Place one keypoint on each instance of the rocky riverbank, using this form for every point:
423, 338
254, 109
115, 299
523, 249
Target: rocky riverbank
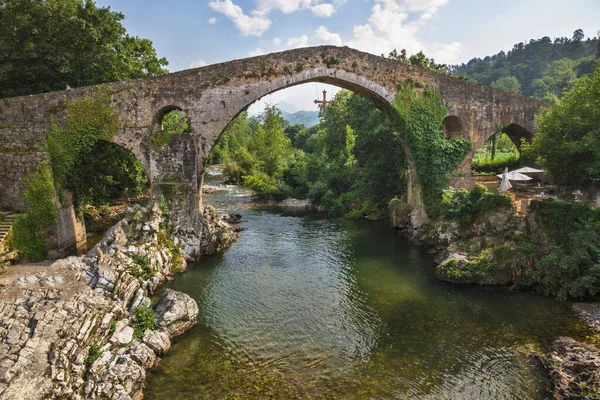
496, 249
84, 327
574, 366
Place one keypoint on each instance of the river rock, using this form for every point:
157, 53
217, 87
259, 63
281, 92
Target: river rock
574, 369
157, 341
176, 312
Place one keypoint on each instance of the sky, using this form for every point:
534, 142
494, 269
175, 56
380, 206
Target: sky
194, 33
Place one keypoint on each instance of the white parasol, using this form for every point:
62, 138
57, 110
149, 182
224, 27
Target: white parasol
505, 184
515, 176
528, 170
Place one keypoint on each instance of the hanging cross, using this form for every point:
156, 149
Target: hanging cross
324, 102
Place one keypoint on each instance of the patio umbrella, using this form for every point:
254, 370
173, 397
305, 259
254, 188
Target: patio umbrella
505, 184
528, 170
515, 176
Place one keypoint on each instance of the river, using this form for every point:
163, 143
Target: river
303, 306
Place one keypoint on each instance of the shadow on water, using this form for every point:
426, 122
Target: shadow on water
308, 307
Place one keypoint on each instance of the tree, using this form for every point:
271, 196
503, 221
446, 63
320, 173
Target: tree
560, 76
567, 143
578, 35
508, 83
45, 44
270, 144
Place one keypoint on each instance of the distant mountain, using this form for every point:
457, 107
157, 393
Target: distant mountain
306, 118
287, 107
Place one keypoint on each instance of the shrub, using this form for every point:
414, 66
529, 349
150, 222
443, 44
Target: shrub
143, 318
141, 267
463, 205
497, 165
25, 239
94, 353
570, 265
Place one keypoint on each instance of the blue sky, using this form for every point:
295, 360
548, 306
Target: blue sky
195, 33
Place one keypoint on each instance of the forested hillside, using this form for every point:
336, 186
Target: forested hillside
542, 68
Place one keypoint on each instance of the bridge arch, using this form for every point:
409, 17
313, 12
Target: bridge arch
517, 133
249, 93
454, 127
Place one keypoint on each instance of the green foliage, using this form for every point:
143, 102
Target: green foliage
46, 44
567, 143
94, 353
160, 139
28, 231
27, 240
495, 155
418, 117
508, 83
173, 123
570, 265
176, 122
141, 267
419, 59
542, 67
143, 318
39, 195
89, 120
464, 205
559, 76
113, 327
269, 143
354, 154
107, 172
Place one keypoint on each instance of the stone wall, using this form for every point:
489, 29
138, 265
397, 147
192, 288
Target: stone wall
51, 317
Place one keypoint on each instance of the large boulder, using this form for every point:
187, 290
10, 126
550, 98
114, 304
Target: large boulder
574, 369
176, 312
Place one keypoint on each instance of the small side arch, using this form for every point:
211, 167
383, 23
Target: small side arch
158, 117
517, 133
454, 127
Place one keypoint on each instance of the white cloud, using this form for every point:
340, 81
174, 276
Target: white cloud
387, 28
257, 52
447, 53
323, 10
429, 6
323, 36
285, 6
391, 26
212, 21
247, 25
276, 41
294, 43
199, 63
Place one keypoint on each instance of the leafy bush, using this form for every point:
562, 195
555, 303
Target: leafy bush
141, 267
463, 205
497, 165
93, 354
26, 240
39, 195
143, 318
570, 265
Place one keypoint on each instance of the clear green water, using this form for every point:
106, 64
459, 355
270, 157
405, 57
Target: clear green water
308, 307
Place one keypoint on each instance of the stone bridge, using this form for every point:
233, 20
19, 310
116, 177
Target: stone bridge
212, 96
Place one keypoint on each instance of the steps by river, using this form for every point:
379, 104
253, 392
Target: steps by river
6, 220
